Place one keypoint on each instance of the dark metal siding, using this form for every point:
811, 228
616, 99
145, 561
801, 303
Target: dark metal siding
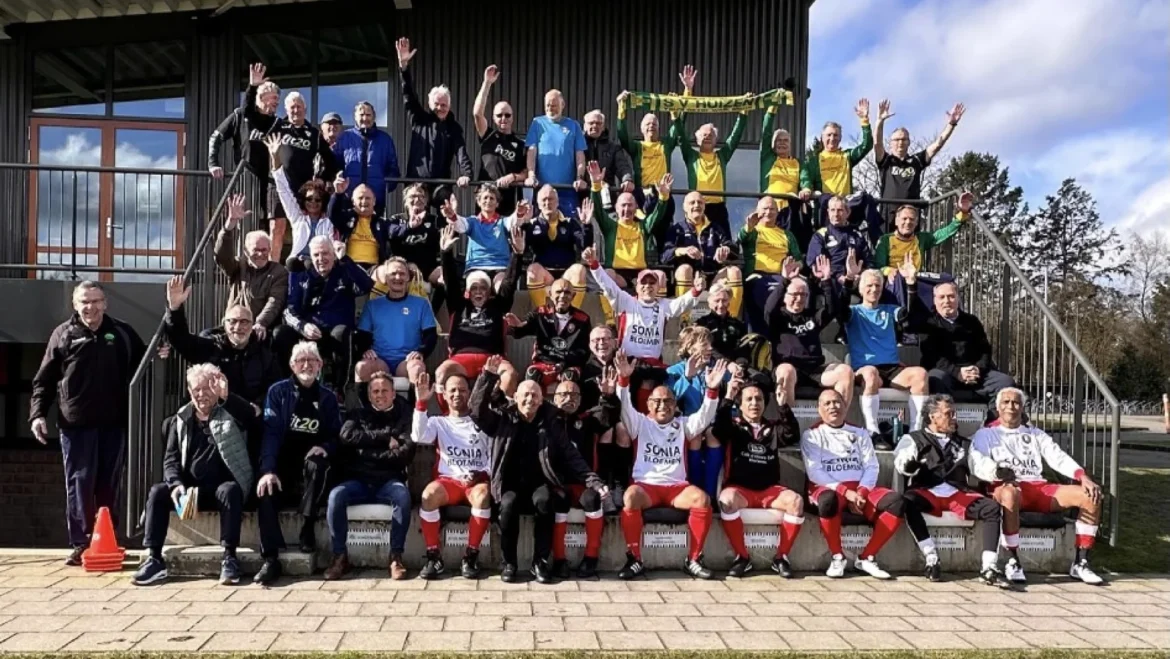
15, 104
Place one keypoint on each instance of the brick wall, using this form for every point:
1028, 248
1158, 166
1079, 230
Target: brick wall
32, 498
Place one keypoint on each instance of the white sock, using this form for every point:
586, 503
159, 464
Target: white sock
990, 559
1011, 541
914, 409
927, 547
869, 412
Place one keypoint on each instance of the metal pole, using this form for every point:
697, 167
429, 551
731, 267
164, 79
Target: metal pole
73, 247
1005, 315
1077, 448
1114, 475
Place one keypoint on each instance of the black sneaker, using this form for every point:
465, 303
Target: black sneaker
560, 569
508, 573
542, 572
740, 567
153, 570
229, 571
74, 559
308, 541
269, 572
993, 577
470, 566
433, 566
933, 572
697, 570
782, 567
588, 568
633, 569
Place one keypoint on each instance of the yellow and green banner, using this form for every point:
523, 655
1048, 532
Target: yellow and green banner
655, 102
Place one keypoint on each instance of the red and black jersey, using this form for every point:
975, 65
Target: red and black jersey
567, 346
753, 451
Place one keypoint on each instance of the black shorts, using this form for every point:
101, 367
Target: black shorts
887, 372
810, 376
272, 208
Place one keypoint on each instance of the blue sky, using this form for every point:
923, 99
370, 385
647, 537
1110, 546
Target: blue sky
1055, 88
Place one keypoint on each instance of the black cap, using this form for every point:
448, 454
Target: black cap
331, 117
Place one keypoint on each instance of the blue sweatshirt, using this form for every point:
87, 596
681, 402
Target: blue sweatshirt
564, 250
836, 243
279, 406
326, 301
367, 155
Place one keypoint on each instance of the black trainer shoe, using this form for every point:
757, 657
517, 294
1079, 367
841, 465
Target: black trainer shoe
782, 567
993, 577
153, 570
308, 540
933, 572
508, 573
269, 572
740, 567
560, 569
74, 559
542, 572
697, 570
588, 568
470, 566
229, 571
633, 569
433, 566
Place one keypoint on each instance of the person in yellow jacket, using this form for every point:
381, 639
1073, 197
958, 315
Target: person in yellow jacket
765, 244
830, 171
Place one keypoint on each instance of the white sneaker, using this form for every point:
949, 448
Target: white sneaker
837, 567
870, 567
1014, 571
1081, 570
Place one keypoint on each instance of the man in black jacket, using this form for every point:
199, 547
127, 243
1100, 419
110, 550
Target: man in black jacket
955, 349
206, 458
87, 367
373, 455
532, 460
246, 127
612, 158
562, 334
435, 137
935, 459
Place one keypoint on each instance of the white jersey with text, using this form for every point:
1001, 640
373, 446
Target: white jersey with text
464, 450
839, 455
1025, 449
641, 327
661, 456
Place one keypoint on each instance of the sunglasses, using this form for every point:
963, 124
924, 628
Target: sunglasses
503, 115
312, 198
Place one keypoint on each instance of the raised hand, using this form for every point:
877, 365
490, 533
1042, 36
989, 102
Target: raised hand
862, 108
450, 208
623, 366
492, 365
585, 210
512, 320
340, 183
715, 374
908, 270
596, 172
491, 74
448, 238
422, 386
955, 114
823, 268
523, 211
790, 268
752, 221
852, 265
607, 381
405, 52
665, 185
257, 74
237, 211
694, 365
517, 238
273, 144
623, 98
688, 77
177, 292
700, 283
883, 110
733, 386
966, 201
588, 256
219, 385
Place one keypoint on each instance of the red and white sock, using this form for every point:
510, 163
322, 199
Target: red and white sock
1086, 535
699, 523
429, 520
480, 520
632, 530
789, 528
733, 528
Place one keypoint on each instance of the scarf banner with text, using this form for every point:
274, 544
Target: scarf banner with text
708, 104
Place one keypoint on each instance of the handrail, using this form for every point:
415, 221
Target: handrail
89, 169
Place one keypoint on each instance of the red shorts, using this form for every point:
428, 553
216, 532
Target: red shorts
957, 503
574, 492
1036, 496
869, 512
662, 495
456, 489
759, 498
472, 362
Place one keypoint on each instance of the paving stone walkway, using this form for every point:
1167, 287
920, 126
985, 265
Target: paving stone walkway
47, 607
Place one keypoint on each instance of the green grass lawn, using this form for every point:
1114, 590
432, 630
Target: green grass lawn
1143, 543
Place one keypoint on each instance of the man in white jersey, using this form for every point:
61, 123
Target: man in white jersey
641, 321
1011, 456
462, 470
842, 469
660, 475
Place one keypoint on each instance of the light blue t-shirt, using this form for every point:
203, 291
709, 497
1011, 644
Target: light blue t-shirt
397, 325
557, 144
487, 244
871, 334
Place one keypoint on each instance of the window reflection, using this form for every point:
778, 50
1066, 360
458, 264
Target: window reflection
144, 204
71, 81
149, 79
742, 175
55, 201
343, 98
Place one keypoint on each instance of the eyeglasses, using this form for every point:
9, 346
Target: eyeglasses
315, 198
567, 394
503, 115
796, 294
659, 402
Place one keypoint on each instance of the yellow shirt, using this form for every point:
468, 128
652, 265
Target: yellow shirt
784, 177
701, 225
629, 246
361, 246
898, 250
836, 173
654, 165
709, 176
552, 228
771, 248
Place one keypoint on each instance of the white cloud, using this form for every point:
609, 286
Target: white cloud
828, 16
1149, 210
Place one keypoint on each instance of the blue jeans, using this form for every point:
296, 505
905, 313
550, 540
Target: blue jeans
352, 493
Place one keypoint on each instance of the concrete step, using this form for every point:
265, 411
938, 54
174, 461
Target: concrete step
204, 561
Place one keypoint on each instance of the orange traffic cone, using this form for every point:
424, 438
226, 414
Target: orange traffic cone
103, 554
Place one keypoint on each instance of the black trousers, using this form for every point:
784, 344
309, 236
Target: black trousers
227, 498
307, 493
985, 509
95, 468
542, 503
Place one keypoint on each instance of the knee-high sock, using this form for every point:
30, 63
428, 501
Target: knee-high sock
623, 462
480, 519
429, 521
560, 527
733, 528
831, 529
1086, 535
914, 409
884, 528
632, 530
681, 286
696, 473
607, 310
789, 529
869, 411
699, 523
578, 295
538, 291
735, 286
712, 466
594, 525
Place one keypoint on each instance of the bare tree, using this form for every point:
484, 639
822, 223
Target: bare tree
867, 178
1150, 265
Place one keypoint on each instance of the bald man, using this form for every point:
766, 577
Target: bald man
533, 461
502, 155
556, 150
366, 232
